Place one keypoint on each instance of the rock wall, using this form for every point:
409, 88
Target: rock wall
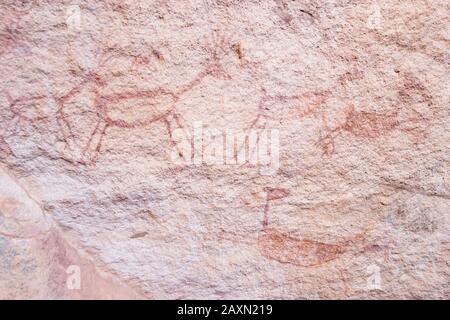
224, 149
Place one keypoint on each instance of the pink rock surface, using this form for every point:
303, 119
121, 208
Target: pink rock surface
132, 149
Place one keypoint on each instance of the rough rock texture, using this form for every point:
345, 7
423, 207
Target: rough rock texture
98, 96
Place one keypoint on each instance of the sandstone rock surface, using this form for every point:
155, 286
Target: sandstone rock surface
114, 123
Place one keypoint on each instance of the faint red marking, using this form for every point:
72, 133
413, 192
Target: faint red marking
284, 248
272, 194
351, 75
276, 193
26, 109
10, 36
5, 147
158, 55
140, 60
303, 105
279, 246
371, 125
66, 130
368, 125
104, 104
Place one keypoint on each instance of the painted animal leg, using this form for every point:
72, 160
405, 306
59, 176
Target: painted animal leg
71, 150
173, 122
91, 150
